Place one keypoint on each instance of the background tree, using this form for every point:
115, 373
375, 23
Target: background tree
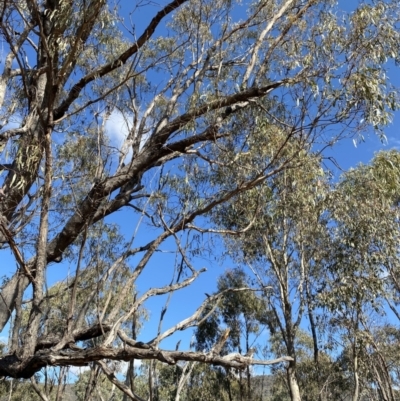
363, 252
281, 245
243, 313
327, 249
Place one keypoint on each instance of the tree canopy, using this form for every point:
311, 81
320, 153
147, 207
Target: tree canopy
167, 115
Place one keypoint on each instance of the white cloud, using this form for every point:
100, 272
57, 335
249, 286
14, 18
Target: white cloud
117, 127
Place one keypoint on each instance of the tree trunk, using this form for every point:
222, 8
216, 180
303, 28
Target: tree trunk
292, 381
315, 340
355, 374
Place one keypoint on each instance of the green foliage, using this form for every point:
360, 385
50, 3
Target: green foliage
93, 385
206, 117
17, 390
242, 312
322, 247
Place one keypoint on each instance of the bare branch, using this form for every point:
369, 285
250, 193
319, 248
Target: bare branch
127, 353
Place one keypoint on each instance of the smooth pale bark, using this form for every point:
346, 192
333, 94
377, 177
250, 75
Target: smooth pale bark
356, 391
60, 88
288, 326
291, 368
293, 384
9, 294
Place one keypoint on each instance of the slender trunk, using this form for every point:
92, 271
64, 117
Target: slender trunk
61, 384
152, 381
130, 373
312, 324
11, 389
241, 385
381, 386
186, 373
291, 369
355, 375
387, 377
248, 383
292, 381
383, 377
42, 393
248, 392
229, 387
290, 333
91, 383
315, 340
129, 379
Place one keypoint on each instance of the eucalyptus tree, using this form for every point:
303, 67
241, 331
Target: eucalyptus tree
331, 250
243, 314
362, 261
190, 82
281, 244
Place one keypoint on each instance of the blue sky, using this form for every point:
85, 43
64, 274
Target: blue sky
160, 270
348, 153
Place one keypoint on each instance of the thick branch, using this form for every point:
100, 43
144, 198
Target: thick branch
230, 100
92, 207
155, 150
77, 335
10, 365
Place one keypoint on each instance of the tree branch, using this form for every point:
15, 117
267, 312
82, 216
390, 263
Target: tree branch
122, 59
10, 365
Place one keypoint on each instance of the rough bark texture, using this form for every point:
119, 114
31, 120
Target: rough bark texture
10, 365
